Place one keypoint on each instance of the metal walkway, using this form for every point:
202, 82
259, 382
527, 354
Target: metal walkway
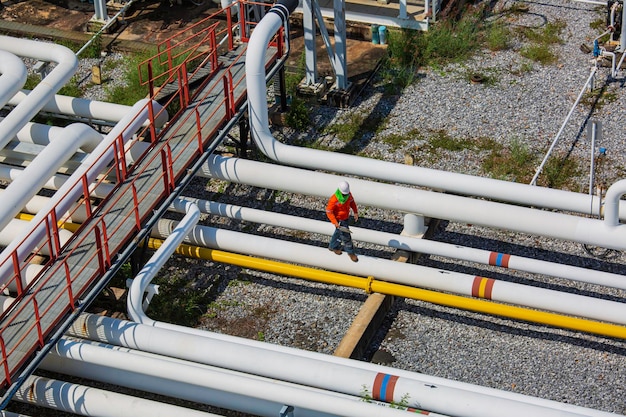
42, 311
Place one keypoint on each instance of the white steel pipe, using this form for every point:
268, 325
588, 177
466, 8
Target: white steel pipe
41, 134
411, 244
13, 76
353, 165
255, 387
35, 175
17, 227
134, 300
10, 173
71, 190
66, 65
407, 274
317, 370
88, 401
427, 203
175, 384
612, 203
75, 106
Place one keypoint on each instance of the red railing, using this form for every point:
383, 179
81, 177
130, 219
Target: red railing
47, 234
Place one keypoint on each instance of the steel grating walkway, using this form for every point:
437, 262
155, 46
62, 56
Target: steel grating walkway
47, 306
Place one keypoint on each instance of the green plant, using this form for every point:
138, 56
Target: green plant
440, 139
178, 301
559, 171
298, 114
497, 36
539, 53
513, 164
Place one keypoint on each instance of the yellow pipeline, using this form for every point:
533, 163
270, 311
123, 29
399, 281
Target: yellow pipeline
371, 285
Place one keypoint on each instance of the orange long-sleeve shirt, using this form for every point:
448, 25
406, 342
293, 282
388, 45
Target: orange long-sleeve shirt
336, 211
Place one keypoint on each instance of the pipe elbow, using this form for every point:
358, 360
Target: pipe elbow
611, 205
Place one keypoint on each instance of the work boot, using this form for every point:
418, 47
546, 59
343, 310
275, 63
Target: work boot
353, 257
337, 251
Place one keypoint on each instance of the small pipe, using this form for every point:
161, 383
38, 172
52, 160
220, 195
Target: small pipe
409, 274
611, 205
371, 285
158, 259
558, 135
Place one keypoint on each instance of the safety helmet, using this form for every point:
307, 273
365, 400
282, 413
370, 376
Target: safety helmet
344, 187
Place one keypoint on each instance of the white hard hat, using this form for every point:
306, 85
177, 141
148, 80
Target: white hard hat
344, 187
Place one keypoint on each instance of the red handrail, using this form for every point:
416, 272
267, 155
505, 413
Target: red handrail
95, 229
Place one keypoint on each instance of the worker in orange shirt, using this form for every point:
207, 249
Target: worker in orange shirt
338, 212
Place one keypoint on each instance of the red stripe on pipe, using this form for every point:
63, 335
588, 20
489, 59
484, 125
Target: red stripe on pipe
476, 286
493, 258
489, 288
378, 382
505, 260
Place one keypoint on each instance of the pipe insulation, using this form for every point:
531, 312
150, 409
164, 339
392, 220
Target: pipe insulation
66, 65
75, 106
35, 175
158, 259
426, 203
387, 171
408, 243
72, 189
88, 401
13, 75
42, 134
317, 370
225, 380
405, 274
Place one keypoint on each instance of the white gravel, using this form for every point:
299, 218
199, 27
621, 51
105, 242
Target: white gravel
527, 107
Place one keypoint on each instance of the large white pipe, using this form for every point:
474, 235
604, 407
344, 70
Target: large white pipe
88, 401
407, 274
255, 387
323, 371
75, 106
13, 76
408, 243
35, 175
71, 190
427, 203
175, 384
66, 65
353, 165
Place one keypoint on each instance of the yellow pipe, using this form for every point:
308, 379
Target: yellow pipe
371, 285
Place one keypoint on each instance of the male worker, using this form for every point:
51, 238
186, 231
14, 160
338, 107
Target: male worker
338, 212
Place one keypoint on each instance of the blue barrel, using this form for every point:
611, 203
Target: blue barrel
375, 38
382, 34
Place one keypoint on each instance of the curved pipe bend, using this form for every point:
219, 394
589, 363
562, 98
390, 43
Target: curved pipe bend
461, 184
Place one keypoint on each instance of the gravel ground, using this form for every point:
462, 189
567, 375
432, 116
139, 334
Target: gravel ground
525, 103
